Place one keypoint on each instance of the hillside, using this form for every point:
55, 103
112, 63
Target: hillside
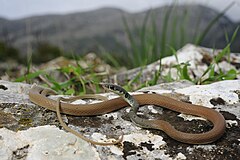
86, 31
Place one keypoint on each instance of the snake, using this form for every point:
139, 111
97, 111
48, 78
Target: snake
39, 96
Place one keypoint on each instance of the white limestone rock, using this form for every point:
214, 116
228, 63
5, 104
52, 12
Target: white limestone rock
44, 142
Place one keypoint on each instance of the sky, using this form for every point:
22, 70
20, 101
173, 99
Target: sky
15, 9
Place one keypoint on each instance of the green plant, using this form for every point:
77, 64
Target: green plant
203, 34
182, 69
214, 72
143, 47
71, 79
148, 45
211, 70
134, 81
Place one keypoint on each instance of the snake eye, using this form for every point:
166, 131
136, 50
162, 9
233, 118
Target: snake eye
122, 92
126, 95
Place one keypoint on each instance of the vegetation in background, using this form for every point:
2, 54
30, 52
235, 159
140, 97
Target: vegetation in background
71, 79
45, 52
146, 46
8, 52
212, 74
201, 36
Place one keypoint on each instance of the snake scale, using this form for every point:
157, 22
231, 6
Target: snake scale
39, 96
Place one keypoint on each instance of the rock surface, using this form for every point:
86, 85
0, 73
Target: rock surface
32, 132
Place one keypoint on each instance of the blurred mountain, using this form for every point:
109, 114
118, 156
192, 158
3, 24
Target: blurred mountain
86, 31
2, 20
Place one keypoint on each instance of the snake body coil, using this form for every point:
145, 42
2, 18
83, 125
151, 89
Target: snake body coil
38, 95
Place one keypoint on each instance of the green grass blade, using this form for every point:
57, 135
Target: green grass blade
143, 50
234, 35
29, 76
165, 29
226, 50
133, 45
185, 74
174, 37
222, 53
210, 25
182, 28
155, 49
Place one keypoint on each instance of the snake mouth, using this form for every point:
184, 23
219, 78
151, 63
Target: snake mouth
114, 88
41, 91
108, 87
104, 85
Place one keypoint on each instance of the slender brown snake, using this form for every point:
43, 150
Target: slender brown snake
38, 95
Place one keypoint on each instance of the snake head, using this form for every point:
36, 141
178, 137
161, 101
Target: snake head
113, 88
108, 86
